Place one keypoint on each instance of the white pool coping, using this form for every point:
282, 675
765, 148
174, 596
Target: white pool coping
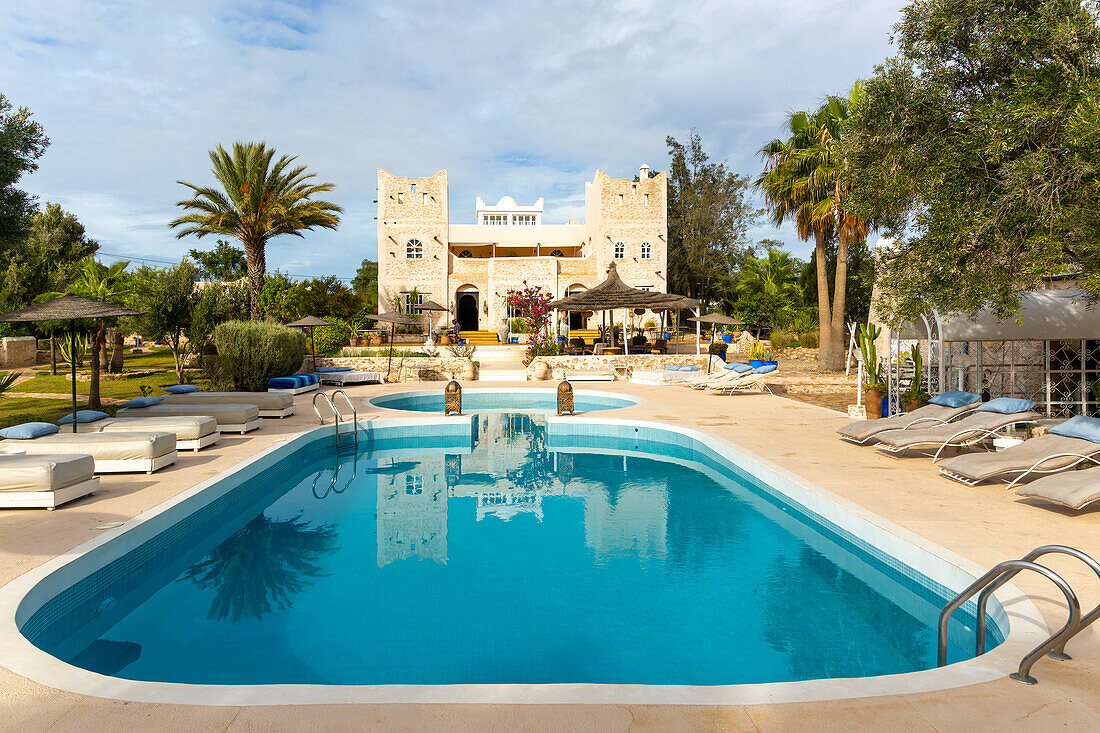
634, 400
1026, 627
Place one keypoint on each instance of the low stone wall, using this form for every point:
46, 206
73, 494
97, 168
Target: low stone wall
18, 351
635, 362
405, 369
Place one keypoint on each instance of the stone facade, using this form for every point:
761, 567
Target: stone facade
18, 351
635, 362
470, 267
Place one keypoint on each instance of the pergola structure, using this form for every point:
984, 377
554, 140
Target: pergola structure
1049, 352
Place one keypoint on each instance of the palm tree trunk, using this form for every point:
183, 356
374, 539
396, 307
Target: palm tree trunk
53, 356
257, 266
836, 328
117, 349
824, 317
93, 381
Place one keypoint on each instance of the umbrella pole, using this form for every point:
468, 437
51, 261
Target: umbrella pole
72, 364
313, 347
389, 362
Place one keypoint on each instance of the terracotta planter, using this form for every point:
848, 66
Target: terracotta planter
872, 400
445, 339
911, 405
542, 370
469, 373
377, 340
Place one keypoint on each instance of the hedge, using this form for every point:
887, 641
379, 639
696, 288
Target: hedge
251, 353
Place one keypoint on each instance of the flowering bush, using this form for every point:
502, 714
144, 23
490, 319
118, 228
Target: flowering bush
532, 304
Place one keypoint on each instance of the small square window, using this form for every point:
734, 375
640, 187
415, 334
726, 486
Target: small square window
414, 250
620, 250
646, 250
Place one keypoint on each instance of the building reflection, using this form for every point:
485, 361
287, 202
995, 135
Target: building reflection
412, 512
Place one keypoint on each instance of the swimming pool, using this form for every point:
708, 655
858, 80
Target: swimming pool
501, 549
490, 400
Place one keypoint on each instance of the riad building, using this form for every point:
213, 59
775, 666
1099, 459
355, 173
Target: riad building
470, 267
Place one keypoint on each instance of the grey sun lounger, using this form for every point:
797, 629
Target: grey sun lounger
230, 418
270, 404
1071, 489
1044, 454
192, 432
113, 452
864, 431
973, 428
45, 481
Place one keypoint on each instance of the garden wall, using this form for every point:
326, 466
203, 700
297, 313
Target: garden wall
560, 364
405, 369
18, 351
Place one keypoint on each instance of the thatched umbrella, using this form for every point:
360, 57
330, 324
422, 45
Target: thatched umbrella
393, 319
430, 306
613, 293
310, 322
71, 308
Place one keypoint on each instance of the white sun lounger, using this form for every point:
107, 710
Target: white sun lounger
720, 376
352, 377
230, 418
45, 481
113, 452
192, 433
270, 404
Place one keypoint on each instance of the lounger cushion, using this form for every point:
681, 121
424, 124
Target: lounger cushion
964, 429
766, 369
955, 398
83, 416
184, 427
1073, 489
181, 388
47, 472
672, 367
329, 370
263, 400
690, 368
225, 414
1019, 458
864, 429
29, 430
146, 401
1007, 406
1082, 426
287, 383
739, 367
101, 446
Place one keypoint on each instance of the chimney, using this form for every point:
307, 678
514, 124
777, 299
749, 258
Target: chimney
643, 172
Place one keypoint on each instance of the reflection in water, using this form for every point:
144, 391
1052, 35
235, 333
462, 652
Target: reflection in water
108, 657
265, 562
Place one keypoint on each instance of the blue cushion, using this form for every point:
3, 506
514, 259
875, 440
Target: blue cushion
739, 367
1086, 428
29, 430
181, 389
143, 401
83, 416
672, 367
329, 370
766, 368
311, 378
1007, 406
690, 368
955, 398
284, 383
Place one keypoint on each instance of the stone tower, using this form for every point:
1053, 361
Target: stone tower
412, 237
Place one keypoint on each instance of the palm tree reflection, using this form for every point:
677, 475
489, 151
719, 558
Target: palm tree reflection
262, 565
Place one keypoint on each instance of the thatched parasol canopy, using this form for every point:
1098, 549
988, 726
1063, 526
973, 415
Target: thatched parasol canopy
309, 322
430, 305
394, 319
718, 318
613, 293
69, 308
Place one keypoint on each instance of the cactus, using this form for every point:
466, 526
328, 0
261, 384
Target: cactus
867, 334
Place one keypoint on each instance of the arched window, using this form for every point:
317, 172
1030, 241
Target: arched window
645, 250
414, 250
620, 250
465, 253
556, 253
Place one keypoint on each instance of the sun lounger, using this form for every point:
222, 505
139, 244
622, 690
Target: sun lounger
731, 372
589, 375
1072, 489
671, 374
270, 404
748, 382
1044, 454
231, 418
346, 375
113, 452
864, 431
984, 422
192, 433
45, 481
294, 384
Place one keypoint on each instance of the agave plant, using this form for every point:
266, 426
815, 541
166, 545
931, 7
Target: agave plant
7, 381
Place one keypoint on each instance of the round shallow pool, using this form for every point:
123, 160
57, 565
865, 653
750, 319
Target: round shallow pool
490, 400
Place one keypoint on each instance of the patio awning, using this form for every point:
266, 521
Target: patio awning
1056, 315
613, 293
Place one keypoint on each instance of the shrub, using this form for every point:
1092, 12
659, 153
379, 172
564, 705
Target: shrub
576, 342
328, 340
781, 339
718, 349
518, 325
638, 340
250, 354
809, 339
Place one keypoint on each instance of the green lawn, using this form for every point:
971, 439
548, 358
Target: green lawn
117, 388
158, 358
15, 410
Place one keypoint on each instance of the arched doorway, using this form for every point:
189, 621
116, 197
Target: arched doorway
466, 311
576, 320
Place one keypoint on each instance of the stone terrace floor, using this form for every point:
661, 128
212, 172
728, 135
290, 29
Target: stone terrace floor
983, 524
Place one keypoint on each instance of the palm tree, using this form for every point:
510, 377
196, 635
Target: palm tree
102, 282
772, 275
806, 180
259, 200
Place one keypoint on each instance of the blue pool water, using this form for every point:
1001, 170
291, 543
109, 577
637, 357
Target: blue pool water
525, 400
509, 555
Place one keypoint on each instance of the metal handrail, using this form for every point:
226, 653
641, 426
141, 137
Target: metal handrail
354, 413
1056, 639
335, 413
1058, 652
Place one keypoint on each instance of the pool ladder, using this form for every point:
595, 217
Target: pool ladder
328, 400
1055, 645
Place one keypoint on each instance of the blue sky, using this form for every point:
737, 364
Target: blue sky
519, 98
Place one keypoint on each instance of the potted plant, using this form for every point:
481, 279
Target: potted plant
915, 397
718, 349
873, 382
757, 354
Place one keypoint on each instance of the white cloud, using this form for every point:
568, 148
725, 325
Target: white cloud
520, 98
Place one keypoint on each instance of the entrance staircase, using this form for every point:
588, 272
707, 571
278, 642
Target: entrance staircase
479, 338
590, 335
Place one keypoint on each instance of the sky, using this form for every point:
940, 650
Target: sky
520, 98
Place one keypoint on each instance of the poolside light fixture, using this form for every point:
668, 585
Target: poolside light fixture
69, 308
452, 398
565, 398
